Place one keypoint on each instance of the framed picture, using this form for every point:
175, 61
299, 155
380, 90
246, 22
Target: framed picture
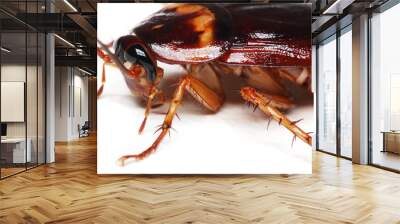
225, 88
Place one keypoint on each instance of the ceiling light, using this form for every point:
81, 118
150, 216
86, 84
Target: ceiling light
64, 40
79, 51
333, 6
84, 71
70, 5
5, 49
337, 7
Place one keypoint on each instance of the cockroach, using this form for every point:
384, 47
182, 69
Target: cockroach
268, 45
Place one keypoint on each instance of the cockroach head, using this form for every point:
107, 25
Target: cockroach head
131, 52
137, 59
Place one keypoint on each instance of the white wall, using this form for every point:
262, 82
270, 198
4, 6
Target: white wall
12, 73
62, 82
71, 94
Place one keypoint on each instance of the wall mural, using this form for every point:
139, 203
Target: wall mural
204, 88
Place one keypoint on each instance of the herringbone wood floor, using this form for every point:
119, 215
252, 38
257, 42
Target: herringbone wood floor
70, 191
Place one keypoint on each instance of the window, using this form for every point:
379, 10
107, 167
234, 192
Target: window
22, 78
327, 95
345, 92
385, 89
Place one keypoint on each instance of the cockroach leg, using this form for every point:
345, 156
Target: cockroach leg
199, 91
153, 93
106, 60
207, 74
270, 105
298, 76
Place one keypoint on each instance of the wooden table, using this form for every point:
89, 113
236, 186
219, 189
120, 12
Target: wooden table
391, 141
18, 149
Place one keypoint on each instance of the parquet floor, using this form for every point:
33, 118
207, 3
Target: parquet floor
70, 191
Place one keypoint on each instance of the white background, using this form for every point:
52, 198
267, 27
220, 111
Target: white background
233, 141
14, 102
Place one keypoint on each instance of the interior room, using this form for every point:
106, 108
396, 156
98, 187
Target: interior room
385, 76
48, 152
22, 102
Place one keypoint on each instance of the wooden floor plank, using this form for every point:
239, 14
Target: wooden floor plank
70, 191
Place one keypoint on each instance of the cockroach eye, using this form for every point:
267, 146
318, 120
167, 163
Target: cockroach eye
137, 55
129, 57
128, 64
140, 52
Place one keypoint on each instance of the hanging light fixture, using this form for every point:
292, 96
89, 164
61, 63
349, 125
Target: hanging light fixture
70, 5
5, 49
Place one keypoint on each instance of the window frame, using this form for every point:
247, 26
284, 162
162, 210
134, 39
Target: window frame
336, 35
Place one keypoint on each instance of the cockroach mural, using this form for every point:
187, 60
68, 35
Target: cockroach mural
267, 45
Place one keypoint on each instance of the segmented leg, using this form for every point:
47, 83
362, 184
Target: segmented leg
106, 60
207, 75
204, 73
269, 105
297, 75
155, 98
199, 91
149, 104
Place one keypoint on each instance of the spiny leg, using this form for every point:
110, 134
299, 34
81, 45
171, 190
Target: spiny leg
152, 100
300, 76
106, 60
269, 104
199, 91
207, 75
149, 104
203, 73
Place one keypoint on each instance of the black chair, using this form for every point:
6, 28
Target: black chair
84, 130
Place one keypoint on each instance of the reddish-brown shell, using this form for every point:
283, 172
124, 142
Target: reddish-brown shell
187, 33
243, 34
270, 35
